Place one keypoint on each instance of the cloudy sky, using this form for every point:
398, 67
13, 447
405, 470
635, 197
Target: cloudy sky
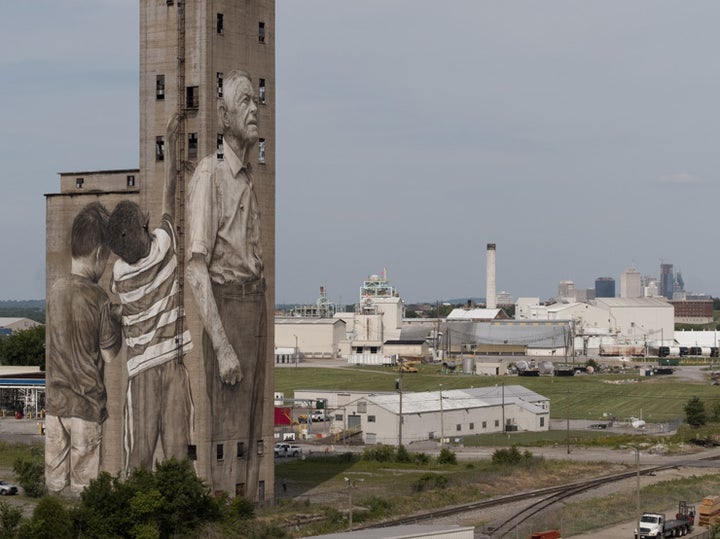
579, 136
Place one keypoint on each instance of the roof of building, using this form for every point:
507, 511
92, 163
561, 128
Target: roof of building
6, 322
455, 399
633, 302
302, 320
473, 314
696, 338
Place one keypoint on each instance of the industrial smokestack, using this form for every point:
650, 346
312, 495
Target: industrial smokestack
490, 300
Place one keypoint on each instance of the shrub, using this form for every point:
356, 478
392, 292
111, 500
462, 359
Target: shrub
446, 457
510, 456
30, 472
403, 455
429, 480
50, 519
421, 458
9, 519
379, 453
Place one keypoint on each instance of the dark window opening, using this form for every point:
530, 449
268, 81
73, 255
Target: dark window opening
260, 447
219, 152
240, 489
192, 100
261, 151
192, 452
159, 148
160, 87
240, 450
458, 427
261, 32
261, 491
169, 2
261, 91
220, 23
192, 146
472, 426
220, 451
219, 79
131, 181
79, 182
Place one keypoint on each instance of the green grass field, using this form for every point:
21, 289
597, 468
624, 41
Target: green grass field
591, 397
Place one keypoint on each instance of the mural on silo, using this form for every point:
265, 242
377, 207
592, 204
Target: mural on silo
225, 274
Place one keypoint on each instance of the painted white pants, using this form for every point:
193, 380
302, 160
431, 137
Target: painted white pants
72, 453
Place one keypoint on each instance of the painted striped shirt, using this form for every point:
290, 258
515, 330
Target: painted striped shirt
151, 308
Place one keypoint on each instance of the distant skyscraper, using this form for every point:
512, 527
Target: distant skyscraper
604, 287
666, 280
630, 284
566, 289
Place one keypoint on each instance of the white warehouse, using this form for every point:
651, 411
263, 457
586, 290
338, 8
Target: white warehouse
435, 414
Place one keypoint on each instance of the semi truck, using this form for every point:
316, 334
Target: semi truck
655, 525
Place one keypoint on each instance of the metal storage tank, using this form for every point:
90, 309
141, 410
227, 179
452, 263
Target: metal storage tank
469, 365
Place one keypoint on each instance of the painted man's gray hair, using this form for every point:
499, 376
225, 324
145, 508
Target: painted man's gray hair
231, 84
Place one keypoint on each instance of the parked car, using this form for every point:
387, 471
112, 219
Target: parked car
318, 416
7, 489
287, 450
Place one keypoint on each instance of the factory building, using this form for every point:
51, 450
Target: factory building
433, 415
309, 337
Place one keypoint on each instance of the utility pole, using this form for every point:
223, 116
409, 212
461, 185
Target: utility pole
400, 418
442, 420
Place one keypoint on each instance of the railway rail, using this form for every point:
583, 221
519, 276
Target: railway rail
548, 496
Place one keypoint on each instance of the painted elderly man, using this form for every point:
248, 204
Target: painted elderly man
225, 274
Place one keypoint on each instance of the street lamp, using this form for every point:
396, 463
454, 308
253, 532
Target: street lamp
351, 484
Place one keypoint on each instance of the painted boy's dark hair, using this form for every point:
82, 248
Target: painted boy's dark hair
126, 224
89, 230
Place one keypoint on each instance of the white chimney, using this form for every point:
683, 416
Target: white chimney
490, 300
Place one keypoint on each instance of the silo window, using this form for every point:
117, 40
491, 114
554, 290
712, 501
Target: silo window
219, 151
79, 182
131, 181
160, 87
261, 151
192, 97
159, 148
220, 23
261, 32
192, 146
261, 91
219, 79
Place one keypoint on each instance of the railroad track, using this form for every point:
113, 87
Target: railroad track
548, 496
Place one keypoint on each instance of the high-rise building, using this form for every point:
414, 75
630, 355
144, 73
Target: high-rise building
566, 289
604, 287
630, 284
666, 280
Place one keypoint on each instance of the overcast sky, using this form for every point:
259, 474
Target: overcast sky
579, 136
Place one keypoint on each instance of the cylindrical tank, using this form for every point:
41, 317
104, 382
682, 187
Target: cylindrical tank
469, 365
546, 367
521, 365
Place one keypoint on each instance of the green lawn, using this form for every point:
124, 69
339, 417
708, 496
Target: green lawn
657, 398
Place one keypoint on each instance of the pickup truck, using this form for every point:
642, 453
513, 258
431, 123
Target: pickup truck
655, 525
287, 450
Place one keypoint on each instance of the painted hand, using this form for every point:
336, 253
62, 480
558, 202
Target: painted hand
229, 365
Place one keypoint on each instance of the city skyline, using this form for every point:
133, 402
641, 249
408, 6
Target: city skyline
579, 138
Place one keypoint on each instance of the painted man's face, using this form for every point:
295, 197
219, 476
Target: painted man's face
243, 113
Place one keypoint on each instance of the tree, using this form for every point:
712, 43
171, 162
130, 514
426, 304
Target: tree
30, 472
26, 347
50, 520
695, 412
9, 520
169, 501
